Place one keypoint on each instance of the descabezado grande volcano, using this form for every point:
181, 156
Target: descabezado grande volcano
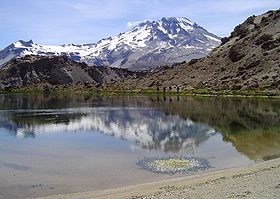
147, 45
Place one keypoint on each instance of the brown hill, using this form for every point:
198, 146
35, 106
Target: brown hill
44, 71
249, 59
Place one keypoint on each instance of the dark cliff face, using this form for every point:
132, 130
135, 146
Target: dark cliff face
53, 71
248, 59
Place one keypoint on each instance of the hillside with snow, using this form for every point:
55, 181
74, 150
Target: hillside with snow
145, 46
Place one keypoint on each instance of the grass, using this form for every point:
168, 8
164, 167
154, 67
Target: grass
145, 92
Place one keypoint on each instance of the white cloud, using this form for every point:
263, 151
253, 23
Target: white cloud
132, 24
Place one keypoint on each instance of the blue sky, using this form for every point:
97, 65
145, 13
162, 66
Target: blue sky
87, 21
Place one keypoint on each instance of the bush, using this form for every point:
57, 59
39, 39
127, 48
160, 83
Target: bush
193, 61
270, 45
264, 38
235, 53
225, 40
240, 31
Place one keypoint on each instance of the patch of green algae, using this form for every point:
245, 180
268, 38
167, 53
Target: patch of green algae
173, 163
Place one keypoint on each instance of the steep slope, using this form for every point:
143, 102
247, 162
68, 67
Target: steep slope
247, 60
144, 46
58, 70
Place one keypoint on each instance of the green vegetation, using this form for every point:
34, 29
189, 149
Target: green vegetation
173, 163
146, 92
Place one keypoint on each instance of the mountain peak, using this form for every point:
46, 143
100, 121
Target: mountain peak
164, 20
21, 43
177, 20
166, 25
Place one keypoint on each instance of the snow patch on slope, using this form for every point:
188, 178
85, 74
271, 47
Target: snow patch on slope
212, 38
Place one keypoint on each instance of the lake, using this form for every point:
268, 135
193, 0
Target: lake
51, 144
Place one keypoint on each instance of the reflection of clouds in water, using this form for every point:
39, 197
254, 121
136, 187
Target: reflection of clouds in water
148, 128
15, 166
19, 131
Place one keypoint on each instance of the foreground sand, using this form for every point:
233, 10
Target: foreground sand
261, 180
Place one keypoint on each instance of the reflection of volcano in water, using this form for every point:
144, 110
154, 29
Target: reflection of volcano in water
149, 128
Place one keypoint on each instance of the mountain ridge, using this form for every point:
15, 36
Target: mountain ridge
146, 45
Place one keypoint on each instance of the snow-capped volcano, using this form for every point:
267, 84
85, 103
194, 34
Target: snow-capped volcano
146, 45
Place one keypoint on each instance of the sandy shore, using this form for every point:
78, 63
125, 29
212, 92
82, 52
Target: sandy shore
260, 180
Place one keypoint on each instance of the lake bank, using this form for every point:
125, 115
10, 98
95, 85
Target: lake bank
260, 180
142, 92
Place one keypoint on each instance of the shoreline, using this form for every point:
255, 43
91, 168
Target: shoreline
263, 175
221, 94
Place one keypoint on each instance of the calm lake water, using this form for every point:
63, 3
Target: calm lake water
63, 144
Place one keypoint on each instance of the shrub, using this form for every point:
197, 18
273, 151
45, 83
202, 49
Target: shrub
193, 61
235, 53
264, 38
225, 40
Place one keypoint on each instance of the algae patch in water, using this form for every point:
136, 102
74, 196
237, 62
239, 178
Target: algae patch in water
173, 165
